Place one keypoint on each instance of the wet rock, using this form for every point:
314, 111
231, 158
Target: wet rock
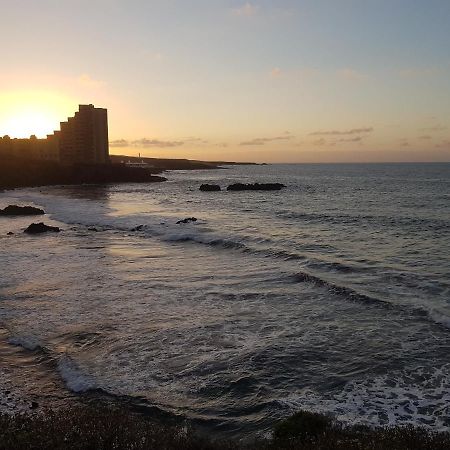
34, 405
9, 233
36, 228
92, 229
138, 228
14, 210
255, 187
187, 220
209, 187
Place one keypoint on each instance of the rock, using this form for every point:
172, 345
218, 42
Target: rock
255, 187
14, 210
210, 187
9, 233
138, 228
36, 228
187, 220
92, 229
34, 405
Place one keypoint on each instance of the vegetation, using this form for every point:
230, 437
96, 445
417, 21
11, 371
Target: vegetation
110, 428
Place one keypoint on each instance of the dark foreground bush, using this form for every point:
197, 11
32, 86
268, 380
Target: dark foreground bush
105, 428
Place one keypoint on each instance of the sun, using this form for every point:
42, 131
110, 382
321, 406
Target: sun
23, 114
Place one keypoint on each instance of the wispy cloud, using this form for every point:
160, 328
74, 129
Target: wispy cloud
195, 140
342, 133
145, 143
425, 137
444, 144
87, 81
418, 72
265, 140
434, 128
352, 139
246, 10
351, 74
156, 143
119, 143
276, 72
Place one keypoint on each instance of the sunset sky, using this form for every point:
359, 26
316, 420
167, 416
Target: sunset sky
274, 81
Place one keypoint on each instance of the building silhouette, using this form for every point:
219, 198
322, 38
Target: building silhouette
82, 139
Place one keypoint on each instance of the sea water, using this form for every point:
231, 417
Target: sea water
331, 295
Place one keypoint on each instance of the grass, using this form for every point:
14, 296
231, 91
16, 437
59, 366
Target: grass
107, 428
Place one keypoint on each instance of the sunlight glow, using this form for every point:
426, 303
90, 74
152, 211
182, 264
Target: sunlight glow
26, 113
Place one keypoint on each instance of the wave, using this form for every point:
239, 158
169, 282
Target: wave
421, 311
343, 291
421, 223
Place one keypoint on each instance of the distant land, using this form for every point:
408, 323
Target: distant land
175, 164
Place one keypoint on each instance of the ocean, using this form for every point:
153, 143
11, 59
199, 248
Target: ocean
331, 295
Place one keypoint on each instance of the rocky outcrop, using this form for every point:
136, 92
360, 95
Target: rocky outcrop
209, 187
187, 220
37, 228
255, 187
14, 210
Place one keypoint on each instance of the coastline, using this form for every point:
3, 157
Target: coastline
93, 395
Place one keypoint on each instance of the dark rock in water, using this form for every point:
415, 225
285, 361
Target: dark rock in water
138, 228
14, 210
9, 233
92, 229
36, 228
187, 220
34, 405
210, 187
255, 187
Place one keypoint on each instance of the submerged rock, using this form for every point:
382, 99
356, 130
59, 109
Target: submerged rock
255, 187
187, 220
210, 187
14, 210
36, 228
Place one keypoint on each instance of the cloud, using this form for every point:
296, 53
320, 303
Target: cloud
421, 72
434, 128
264, 140
276, 72
404, 142
86, 81
444, 144
342, 133
353, 139
246, 10
351, 74
195, 140
425, 137
319, 142
119, 143
156, 143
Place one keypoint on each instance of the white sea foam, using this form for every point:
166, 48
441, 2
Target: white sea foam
27, 342
420, 397
73, 376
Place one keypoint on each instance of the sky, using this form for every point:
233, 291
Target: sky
264, 81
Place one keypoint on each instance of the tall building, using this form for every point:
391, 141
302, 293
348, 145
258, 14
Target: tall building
83, 139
